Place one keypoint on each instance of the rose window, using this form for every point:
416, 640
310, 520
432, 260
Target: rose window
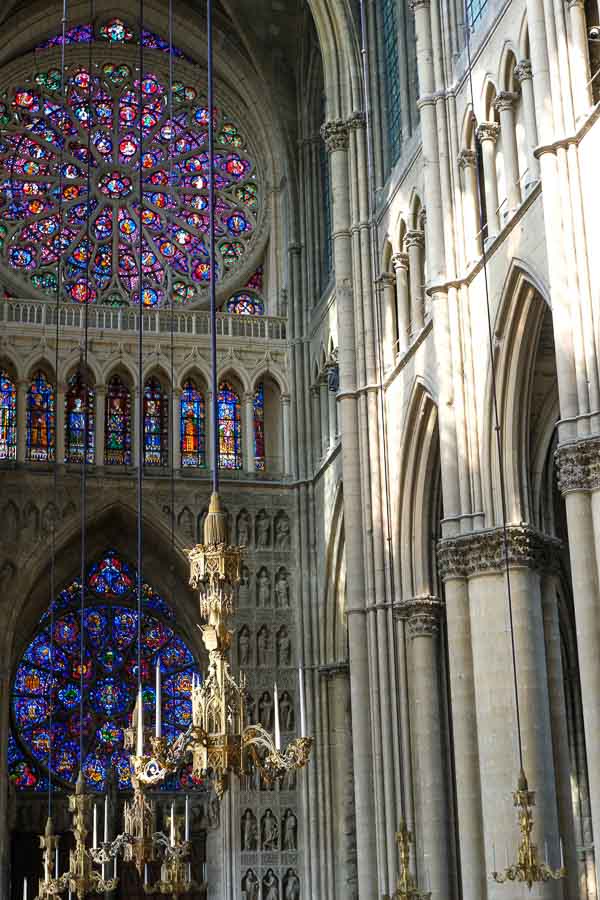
70, 189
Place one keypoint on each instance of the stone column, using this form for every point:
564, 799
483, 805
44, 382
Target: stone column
387, 284
523, 75
22, 389
324, 407
100, 424
423, 615
400, 264
287, 437
248, 433
487, 134
332, 401
316, 418
176, 426
335, 135
578, 56
59, 436
505, 105
467, 161
415, 244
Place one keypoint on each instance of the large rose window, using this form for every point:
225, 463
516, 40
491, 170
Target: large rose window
60, 161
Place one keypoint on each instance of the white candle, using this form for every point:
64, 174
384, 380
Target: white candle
95, 844
56, 862
494, 857
46, 872
106, 819
158, 725
562, 859
25, 888
277, 728
114, 867
173, 824
302, 702
187, 817
146, 873
140, 724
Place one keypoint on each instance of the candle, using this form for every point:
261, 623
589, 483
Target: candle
173, 824
106, 819
95, 843
187, 817
56, 862
146, 873
46, 872
494, 857
545, 851
562, 859
277, 728
25, 888
158, 725
114, 867
140, 724
302, 702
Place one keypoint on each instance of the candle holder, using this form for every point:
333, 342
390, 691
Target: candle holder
175, 871
83, 878
527, 869
51, 885
140, 827
406, 887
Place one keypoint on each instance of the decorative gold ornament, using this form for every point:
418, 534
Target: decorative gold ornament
140, 828
83, 878
175, 871
51, 885
406, 886
527, 870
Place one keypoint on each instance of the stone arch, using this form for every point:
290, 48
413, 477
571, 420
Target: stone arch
41, 361
339, 40
75, 366
508, 61
123, 368
11, 363
334, 636
196, 373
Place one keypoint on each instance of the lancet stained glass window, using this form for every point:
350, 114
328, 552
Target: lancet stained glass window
193, 426
230, 431
117, 450
8, 416
45, 700
46, 149
156, 417
259, 428
389, 33
79, 420
40, 419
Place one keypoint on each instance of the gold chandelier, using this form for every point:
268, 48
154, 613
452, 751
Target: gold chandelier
406, 886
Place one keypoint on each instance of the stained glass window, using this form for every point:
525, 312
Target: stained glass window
193, 426
156, 417
230, 431
327, 261
40, 419
117, 450
245, 304
8, 416
115, 31
392, 76
475, 10
45, 701
259, 427
44, 163
79, 420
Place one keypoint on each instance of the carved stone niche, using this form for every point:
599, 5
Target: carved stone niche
284, 647
249, 829
244, 647
263, 647
269, 832
263, 589
289, 831
282, 589
291, 885
243, 529
262, 530
250, 885
283, 537
286, 712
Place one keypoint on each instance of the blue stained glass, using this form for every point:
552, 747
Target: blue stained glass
124, 628
96, 625
66, 630
120, 763
179, 712
33, 682
230, 429
117, 450
94, 771
111, 576
110, 659
155, 602
40, 419
29, 710
175, 655
40, 652
68, 696
259, 428
155, 424
8, 416
154, 635
193, 426
179, 685
79, 421
110, 697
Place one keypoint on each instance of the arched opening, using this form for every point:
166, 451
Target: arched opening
80, 422
230, 425
268, 426
156, 422
41, 418
8, 413
192, 423
118, 423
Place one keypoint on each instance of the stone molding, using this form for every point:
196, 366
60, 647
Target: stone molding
334, 670
488, 131
482, 552
415, 238
523, 70
335, 135
505, 100
467, 159
400, 261
422, 615
578, 466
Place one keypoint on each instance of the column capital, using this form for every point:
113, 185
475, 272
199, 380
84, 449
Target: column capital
100, 390
505, 100
335, 135
578, 466
523, 70
418, 4
357, 121
295, 249
400, 262
482, 552
488, 131
415, 238
386, 279
285, 399
467, 159
422, 615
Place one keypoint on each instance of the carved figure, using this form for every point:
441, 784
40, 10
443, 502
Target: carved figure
265, 710
263, 530
243, 529
251, 709
291, 886
262, 646
284, 647
270, 886
263, 590
286, 709
244, 646
185, 520
249, 831
269, 832
244, 588
250, 885
282, 590
290, 831
282, 532
214, 809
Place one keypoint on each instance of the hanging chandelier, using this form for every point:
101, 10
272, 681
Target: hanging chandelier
406, 887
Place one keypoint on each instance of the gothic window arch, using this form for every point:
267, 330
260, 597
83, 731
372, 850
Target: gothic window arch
41, 423
8, 415
230, 427
44, 165
79, 420
156, 423
192, 425
117, 427
259, 427
45, 695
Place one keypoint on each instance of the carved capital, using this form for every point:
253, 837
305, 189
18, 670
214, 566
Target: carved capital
505, 100
400, 262
523, 70
357, 121
418, 4
488, 131
578, 466
414, 239
482, 552
386, 279
422, 615
467, 159
335, 135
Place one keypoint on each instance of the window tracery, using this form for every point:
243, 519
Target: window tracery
193, 426
40, 419
8, 416
230, 429
156, 417
117, 451
79, 420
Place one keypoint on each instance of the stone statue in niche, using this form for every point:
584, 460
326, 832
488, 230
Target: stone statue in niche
263, 590
269, 832
251, 709
286, 711
250, 885
243, 529
263, 530
270, 886
249, 831
265, 711
284, 647
50, 517
289, 839
291, 886
214, 809
263, 646
31, 521
244, 588
282, 590
244, 646
282, 532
